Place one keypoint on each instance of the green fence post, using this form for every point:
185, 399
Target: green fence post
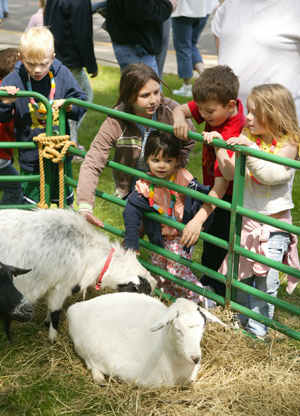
235, 224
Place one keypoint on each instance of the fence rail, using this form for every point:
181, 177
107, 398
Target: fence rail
236, 208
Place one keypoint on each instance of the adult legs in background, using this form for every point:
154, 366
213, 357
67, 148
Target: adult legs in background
161, 58
83, 80
5, 8
12, 191
186, 32
1, 10
277, 247
126, 55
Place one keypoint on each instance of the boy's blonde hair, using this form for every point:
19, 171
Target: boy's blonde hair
275, 110
37, 43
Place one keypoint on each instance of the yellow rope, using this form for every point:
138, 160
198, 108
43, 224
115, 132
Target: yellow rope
55, 149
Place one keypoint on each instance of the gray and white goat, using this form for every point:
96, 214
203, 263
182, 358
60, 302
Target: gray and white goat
139, 339
66, 255
13, 305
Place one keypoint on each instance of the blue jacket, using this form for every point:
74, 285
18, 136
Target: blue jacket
137, 205
26, 126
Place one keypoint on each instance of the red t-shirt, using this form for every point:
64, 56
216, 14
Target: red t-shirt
232, 127
7, 134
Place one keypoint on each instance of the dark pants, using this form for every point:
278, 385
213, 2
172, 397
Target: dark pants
12, 191
212, 257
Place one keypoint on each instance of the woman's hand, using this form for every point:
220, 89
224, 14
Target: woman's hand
88, 215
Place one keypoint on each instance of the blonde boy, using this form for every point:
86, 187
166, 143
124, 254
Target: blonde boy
38, 71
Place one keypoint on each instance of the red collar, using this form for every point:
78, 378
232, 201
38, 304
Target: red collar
105, 267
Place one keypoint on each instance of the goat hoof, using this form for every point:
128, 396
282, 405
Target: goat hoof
98, 377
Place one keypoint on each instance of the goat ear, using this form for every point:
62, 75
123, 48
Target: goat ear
14, 270
209, 316
158, 326
169, 318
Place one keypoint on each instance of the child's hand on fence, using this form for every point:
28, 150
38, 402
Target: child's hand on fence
208, 136
181, 129
241, 139
58, 103
10, 89
191, 232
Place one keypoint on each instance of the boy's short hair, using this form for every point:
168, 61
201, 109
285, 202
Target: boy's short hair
8, 59
218, 83
37, 43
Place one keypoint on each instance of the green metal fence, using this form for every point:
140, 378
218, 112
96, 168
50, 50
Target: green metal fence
236, 208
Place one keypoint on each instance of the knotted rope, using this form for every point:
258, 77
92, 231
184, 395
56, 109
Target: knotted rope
53, 148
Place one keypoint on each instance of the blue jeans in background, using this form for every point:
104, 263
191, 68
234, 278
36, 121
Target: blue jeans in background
132, 54
277, 247
161, 57
3, 8
83, 80
12, 191
186, 32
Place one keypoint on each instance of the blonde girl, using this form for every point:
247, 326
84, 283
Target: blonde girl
272, 127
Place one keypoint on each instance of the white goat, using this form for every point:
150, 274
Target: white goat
66, 255
138, 339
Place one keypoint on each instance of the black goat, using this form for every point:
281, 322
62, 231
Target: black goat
13, 305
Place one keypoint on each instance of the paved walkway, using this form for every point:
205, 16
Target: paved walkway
103, 51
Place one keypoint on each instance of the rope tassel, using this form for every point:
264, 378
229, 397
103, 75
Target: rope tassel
53, 148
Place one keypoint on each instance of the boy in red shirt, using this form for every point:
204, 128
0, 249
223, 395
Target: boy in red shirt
215, 101
12, 191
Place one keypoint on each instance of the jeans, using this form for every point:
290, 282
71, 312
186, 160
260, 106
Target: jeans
161, 58
12, 191
186, 32
277, 247
3, 8
83, 80
126, 54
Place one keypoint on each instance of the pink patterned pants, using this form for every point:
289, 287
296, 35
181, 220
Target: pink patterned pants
178, 270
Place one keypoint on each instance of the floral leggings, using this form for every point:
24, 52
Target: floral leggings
178, 270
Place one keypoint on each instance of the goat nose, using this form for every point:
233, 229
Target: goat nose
195, 358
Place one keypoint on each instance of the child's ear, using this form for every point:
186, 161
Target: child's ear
232, 106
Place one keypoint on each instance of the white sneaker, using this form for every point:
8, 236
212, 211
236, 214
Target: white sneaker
184, 91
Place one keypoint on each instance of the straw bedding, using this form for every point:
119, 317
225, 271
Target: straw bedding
239, 376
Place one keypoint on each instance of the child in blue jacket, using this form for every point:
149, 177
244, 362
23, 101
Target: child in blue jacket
38, 71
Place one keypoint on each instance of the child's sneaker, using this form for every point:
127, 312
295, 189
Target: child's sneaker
184, 91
